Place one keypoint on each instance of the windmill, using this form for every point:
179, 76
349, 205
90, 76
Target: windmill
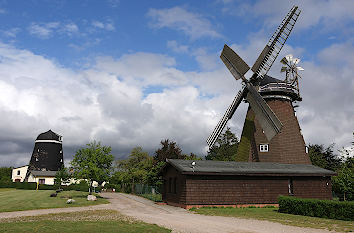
291, 70
261, 118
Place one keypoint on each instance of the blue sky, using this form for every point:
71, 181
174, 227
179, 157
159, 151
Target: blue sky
131, 73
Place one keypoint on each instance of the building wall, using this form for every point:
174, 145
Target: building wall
286, 147
47, 180
21, 176
230, 190
169, 194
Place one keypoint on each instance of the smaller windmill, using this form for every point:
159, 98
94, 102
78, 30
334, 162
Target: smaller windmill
291, 70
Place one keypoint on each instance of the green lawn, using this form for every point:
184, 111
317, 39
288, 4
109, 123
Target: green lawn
19, 199
272, 214
84, 221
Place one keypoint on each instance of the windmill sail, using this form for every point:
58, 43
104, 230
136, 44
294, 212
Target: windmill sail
275, 44
234, 62
270, 123
227, 115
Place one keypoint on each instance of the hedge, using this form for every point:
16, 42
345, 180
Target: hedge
343, 210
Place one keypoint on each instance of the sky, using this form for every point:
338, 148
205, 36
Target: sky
133, 73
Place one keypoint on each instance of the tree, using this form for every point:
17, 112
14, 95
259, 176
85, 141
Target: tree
62, 176
344, 182
135, 168
5, 174
226, 148
168, 150
324, 157
93, 163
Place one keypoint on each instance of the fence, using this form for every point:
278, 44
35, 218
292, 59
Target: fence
146, 189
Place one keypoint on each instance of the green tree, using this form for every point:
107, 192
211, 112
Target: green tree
225, 148
325, 157
5, 174
134, 169
62, 176
343, 183
93, 163
168, 150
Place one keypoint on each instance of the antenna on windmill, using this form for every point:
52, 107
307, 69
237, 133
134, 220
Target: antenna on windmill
291, 70
270, 123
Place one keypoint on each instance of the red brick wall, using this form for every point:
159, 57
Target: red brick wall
286, 147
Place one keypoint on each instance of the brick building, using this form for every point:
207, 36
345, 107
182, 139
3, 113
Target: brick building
233, 183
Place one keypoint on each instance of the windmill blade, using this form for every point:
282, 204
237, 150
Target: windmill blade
289, 57
283, 69
234, 62
275, 44
227, 115
296, 61
284, 61
270, 123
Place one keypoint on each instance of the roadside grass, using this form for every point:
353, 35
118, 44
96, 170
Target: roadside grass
19, 199
152, 197
272, 214
83, 221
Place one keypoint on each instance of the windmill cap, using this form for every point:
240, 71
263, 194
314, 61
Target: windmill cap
49, 135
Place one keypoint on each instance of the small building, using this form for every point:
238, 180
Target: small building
41, 177
19, 173
223, 183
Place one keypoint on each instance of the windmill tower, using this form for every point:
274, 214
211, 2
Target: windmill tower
271, 132
47, 153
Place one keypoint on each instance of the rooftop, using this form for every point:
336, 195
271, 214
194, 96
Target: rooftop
208, 167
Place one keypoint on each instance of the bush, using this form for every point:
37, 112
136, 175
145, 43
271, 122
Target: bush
317, 208
45, 187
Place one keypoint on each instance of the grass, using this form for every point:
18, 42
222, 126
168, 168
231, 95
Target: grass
19, 199
272, 214
152, 197
84, 221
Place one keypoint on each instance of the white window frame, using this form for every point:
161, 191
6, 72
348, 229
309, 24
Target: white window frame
263, 147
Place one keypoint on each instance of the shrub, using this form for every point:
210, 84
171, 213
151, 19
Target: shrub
317, 208
45, 187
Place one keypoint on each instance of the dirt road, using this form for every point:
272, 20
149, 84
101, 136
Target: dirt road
181, 220
177, 219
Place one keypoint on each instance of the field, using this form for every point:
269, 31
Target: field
19, 199
84, 221
272, 214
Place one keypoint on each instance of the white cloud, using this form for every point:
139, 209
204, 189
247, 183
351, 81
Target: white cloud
175, 47
109, 26
192, 24
330, 14
46, 30
43, 30
11, 32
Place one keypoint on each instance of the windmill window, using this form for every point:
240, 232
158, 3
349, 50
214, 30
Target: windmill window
18, 172
263, 147
306, 149
37, 159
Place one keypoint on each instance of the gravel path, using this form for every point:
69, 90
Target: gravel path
177, 219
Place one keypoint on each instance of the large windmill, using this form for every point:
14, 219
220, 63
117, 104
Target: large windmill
271, 132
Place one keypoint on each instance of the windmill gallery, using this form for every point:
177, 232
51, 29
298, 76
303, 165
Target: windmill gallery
272, 159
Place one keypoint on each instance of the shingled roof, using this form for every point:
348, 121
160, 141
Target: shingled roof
208, 167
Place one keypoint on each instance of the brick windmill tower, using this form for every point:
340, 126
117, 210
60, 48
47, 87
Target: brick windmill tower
271, 132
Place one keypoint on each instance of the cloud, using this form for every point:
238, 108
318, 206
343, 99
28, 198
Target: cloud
46, 30
106, 26
329, 14
11, 32
43, 30
193, 25
177, 48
